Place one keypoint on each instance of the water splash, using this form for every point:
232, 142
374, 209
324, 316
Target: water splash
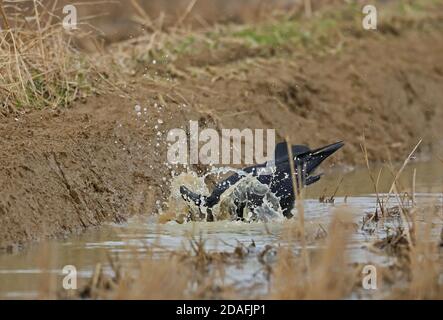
238, 198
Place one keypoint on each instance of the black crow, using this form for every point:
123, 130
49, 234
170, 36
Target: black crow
275, 174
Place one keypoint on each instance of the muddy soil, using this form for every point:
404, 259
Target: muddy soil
119, 20
63, 171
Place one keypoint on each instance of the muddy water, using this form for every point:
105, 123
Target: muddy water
34, 272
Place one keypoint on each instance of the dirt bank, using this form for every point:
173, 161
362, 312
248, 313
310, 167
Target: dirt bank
66, 170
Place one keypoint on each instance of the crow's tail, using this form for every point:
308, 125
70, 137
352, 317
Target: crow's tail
189, 196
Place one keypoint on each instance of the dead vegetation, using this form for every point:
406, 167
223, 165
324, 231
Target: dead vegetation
328, 274
39, 64
183, 53
325, 199
189, 274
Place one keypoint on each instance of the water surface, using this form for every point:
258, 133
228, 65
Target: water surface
38, 268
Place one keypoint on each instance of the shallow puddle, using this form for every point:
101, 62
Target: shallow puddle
38, 269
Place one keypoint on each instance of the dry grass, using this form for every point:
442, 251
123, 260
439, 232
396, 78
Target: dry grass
39, 66
416, 274
201, 274
194, 274
327, 276
150, 279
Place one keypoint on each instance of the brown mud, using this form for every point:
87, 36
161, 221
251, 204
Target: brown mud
63, 171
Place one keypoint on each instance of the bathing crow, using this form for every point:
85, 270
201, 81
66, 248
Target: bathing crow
275, 174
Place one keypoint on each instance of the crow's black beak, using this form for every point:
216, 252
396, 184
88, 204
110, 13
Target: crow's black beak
316, 157
328, 150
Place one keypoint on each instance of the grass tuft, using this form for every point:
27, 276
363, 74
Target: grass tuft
39, 65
